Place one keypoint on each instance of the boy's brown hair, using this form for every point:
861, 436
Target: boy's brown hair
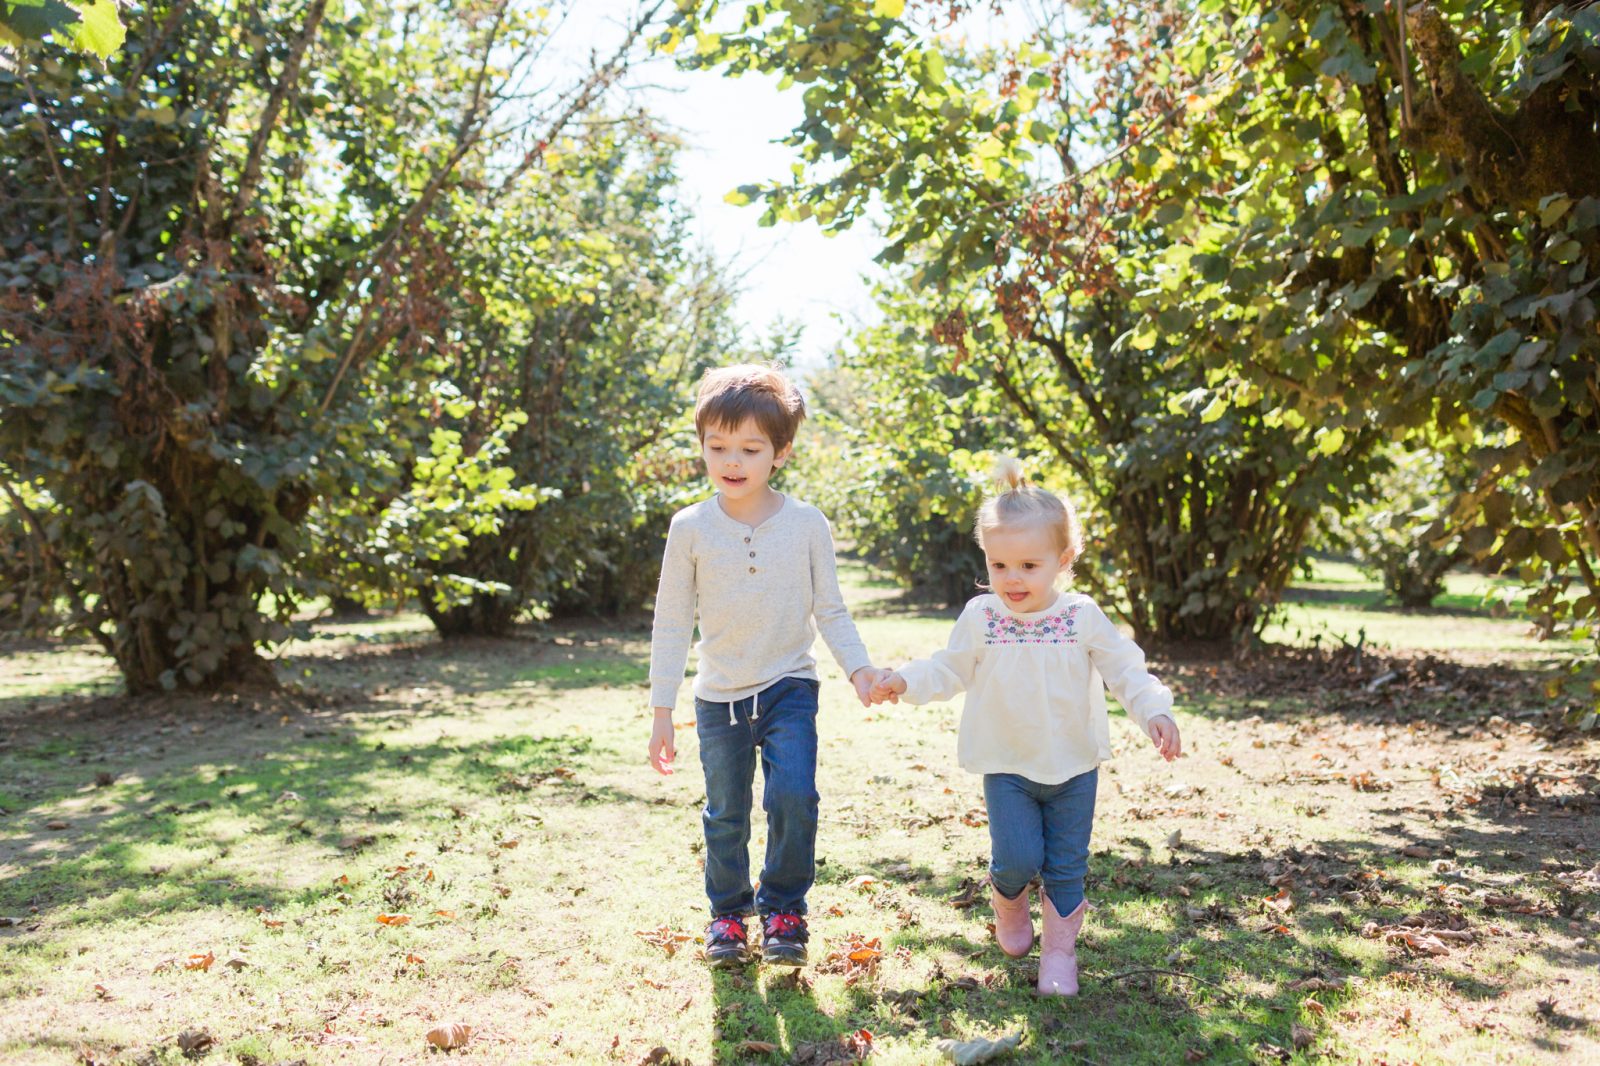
731, 394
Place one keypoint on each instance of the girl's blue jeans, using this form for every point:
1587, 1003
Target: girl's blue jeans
1040, 831
781, 721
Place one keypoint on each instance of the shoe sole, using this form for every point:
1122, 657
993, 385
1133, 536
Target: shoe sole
729, 962
783, 960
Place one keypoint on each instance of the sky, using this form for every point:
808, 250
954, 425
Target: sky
790, 271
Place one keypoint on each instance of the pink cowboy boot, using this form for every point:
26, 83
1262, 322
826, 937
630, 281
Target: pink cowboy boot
1058, 949
1013, 923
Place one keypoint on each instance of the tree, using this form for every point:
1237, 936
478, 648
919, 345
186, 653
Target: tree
1379, 224
225, 260
1205, 505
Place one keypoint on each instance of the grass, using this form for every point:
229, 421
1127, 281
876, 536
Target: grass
496, 794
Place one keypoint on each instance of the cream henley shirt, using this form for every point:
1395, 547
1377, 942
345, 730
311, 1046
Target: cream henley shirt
1036, 702
762, 595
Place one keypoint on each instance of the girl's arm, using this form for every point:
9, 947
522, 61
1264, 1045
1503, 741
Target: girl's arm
1121, 663
673, 628
945, 673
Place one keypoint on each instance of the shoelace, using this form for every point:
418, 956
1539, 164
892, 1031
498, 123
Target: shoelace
784, 925
729, 929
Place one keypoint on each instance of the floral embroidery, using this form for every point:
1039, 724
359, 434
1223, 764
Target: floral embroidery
1057, 628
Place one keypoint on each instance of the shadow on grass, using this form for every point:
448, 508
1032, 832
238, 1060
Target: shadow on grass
1182, 960
145, 846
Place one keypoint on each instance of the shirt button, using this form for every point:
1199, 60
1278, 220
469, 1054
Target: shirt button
752, 555
752, 569
747, 540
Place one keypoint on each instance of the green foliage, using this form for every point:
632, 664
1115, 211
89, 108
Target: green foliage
1396, 534
1199, 493
1356, 226
90, 25
226, 261
902, 471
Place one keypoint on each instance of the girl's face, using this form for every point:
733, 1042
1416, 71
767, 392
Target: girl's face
1023, 566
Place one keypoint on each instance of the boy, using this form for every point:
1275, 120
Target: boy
759, 566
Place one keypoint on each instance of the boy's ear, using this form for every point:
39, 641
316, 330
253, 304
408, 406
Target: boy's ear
783, 456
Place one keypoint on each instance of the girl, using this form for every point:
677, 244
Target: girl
1031, 660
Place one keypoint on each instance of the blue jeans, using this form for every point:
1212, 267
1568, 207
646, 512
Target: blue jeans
781, 720
1040, 830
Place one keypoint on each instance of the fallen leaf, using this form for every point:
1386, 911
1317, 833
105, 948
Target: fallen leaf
200, 962
864, 882
975, 818
1417, 851
356, 843
394, 919
508, 844
415, 960
450, 1037
1301, 1036
446, 914
968, 1052
57, 826
1313, 1007
102, 992
195, 1042
1174, 838
757, 1047
236, 963
664, 937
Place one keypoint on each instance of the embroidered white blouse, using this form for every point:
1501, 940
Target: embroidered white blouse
1035, 685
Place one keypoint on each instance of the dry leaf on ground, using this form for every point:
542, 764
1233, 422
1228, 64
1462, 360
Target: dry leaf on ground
450, 1037
200, 962
664, 937
394, 919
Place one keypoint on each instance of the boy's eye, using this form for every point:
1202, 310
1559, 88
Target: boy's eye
1029, 566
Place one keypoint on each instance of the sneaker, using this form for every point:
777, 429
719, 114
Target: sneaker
783, 939
727, 943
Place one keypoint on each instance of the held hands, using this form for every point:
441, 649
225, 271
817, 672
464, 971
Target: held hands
865, 681
890, 686
662, 746
1164, 735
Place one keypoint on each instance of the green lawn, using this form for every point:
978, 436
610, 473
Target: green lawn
495, 794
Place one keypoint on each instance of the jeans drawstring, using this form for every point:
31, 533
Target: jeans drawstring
755, 709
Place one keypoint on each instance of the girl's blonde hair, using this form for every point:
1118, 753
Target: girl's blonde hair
1017, 503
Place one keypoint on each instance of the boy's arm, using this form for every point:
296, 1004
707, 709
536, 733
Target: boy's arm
1121, 663
946, 673
827, 606
673, 627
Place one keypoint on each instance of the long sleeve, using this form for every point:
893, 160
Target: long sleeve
673, 627
832, 616
1121, 663
945, 673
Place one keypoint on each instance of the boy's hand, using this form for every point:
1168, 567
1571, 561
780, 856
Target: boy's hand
662, 747
890, 686
1164, 735
863, 680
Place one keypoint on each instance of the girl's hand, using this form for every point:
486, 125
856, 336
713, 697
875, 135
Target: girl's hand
1164, 735
890, 686
662, 747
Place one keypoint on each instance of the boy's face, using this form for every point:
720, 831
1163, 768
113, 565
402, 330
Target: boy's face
740, 459
1023, 566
